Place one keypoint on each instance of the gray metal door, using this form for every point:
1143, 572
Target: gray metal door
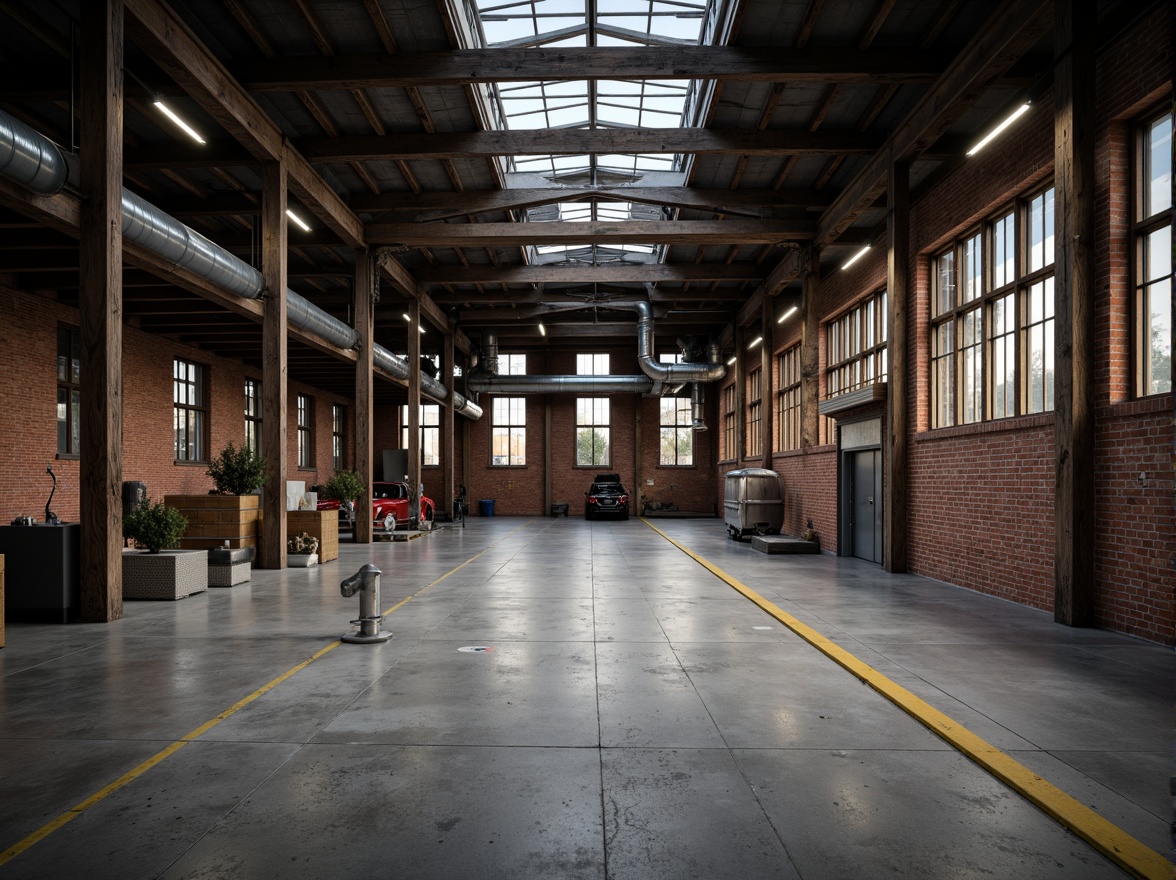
867, 505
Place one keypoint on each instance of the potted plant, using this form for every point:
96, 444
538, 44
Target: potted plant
230, 512
345, 487
160, 572
301, 550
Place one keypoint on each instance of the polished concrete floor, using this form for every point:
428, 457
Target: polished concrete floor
630, 716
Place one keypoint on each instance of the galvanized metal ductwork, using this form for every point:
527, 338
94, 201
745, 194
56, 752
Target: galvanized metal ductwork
697, 409
34, 161
668, 373
485, 383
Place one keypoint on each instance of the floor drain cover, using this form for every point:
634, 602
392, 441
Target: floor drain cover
476, 649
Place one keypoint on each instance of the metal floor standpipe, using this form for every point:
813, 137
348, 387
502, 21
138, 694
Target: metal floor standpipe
366, 582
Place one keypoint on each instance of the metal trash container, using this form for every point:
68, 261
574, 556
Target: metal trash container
486, 506
752, 503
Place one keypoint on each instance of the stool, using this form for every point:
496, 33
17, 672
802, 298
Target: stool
559, 510
229, 567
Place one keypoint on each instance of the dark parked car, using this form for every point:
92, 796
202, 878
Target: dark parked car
607, 496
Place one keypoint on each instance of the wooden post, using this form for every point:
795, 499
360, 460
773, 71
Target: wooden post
273, 361
100, 311
638, 490
740, 395
810, 367
448, 421
1074, 197
365, 293
894, 495
547, 499
766, 348
414, 412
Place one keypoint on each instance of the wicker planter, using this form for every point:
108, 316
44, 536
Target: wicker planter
214, 519
169, 574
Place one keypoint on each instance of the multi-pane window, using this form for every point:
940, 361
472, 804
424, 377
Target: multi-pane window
508, 431
856, 347
69, 390
512, 365
592, 365
338, 436
1153, 257
755, 413
305, 431
729, 451
253, 416
677, 432
992, 318
430, 422
788, 400
592, 432
190, 409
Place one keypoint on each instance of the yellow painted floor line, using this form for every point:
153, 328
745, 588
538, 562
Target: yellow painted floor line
71, 814
1116, 844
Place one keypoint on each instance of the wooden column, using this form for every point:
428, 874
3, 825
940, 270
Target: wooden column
810, 355
894, 493
365, 294
767, 423
1074, 197
273, 365
448, 421
100, 310
414, 412
547, 497
638, 490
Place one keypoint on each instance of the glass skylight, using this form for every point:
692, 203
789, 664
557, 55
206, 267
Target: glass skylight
581, 104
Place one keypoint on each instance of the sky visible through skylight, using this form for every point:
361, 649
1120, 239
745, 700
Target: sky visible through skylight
585, 104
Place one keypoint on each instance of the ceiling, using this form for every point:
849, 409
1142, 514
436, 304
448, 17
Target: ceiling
520, 163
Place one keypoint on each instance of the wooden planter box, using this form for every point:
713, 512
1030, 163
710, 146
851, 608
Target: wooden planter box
214, 519
322, 524
168, 574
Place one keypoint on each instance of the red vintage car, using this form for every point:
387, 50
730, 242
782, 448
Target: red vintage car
389, 507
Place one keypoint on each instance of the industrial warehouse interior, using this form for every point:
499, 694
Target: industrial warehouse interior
586, 438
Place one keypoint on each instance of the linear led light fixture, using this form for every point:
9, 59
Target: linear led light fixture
754, 342
298, 221
788, 314
855, 257
1009, 120
542, 329
167, 111
731, 361
407, 318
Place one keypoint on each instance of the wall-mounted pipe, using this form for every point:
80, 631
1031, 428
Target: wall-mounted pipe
31, 159
697, 410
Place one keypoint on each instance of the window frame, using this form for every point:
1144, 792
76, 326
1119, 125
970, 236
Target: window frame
304, 419
253, 415
753, 441
69, 386
856, 346
338, 436
513, 428
788, 421
730, 453
681, 423
194, 453
597, 428
1142, 229
429, 424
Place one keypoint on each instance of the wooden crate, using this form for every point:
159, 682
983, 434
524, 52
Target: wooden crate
214, 519
322, 524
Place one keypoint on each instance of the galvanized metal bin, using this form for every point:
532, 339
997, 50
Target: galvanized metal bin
752, 503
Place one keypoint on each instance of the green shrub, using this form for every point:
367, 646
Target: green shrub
237, 471
343, 487
154, 526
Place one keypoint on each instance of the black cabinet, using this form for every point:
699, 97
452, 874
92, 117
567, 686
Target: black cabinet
42, 572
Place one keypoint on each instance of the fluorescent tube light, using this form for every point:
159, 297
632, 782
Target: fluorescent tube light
298, 221
754, 342
542, 329
855, 257
788, 314
166, 111
731, 361
1012, 117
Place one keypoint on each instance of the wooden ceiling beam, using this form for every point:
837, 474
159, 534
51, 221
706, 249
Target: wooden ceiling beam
593, 232
571, 274
169, 42
1011, 31
526, 64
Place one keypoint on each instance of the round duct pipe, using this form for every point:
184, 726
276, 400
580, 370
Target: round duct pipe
486, 383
